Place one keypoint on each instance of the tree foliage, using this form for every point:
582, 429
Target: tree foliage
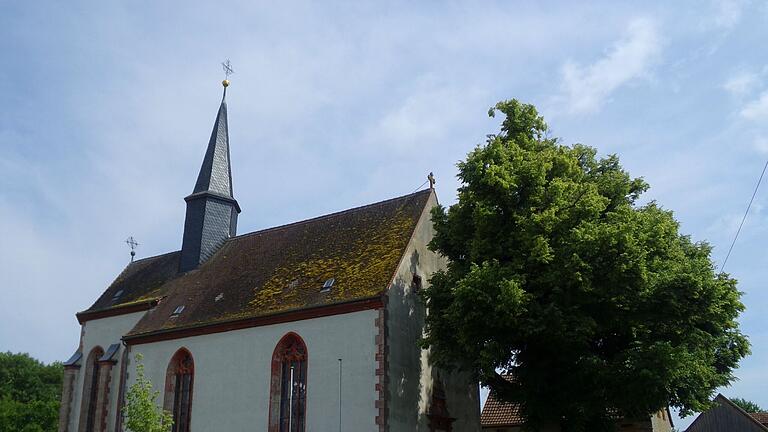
557, 275
29, 394
746, 405
142, 414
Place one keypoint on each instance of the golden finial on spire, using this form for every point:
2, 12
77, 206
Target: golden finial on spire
227, 66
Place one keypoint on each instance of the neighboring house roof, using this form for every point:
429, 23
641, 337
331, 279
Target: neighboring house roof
761, 417
497, 413
725, 416
274, 270
500, 414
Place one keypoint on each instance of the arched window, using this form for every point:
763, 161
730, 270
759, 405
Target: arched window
288, 398
439, 419
179, 380
90, 399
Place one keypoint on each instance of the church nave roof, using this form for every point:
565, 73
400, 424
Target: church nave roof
272, 271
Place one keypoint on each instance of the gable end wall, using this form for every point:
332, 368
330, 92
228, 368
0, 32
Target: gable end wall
409, 376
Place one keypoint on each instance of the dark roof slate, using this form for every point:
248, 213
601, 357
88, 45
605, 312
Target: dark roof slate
215, 173
278, 269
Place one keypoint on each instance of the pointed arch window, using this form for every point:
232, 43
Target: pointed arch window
439, 418
90, 399
288, 399
179, 382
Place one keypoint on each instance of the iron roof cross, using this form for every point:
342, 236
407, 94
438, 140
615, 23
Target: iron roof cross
132, 243
227, 66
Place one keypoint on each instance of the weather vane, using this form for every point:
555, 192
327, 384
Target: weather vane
132, 243
227, 66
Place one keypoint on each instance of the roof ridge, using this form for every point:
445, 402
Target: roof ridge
326, 216
739, 409
150, 257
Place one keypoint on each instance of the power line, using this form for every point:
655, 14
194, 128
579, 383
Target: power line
733, 243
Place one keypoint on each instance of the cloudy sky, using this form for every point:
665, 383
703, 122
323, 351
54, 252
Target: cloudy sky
107, 107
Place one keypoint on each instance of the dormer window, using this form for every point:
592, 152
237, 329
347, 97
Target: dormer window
327, 285
177, 311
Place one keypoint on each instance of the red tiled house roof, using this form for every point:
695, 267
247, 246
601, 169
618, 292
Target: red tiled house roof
497, 413
761, 417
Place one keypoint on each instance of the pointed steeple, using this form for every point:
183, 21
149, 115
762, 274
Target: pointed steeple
211, 208
215, 173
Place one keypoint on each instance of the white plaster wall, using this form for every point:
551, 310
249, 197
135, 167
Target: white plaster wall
411, 377
232, 373
102, 332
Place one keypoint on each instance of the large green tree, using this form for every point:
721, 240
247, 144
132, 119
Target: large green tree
29, 394
560, 277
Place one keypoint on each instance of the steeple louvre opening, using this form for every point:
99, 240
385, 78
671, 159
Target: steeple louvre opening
211, 208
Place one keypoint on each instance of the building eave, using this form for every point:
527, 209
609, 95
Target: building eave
83, 317
258, 321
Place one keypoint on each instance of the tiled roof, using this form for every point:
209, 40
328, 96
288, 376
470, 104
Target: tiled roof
761, 417
142, 280
276, 270
498, 413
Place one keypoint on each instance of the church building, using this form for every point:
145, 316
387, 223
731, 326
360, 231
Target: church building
312, 326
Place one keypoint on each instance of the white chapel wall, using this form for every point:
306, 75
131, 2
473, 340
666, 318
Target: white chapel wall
102, 332
232, 373
411, 377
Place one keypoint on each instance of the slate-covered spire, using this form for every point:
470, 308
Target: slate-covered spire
215, 173
211, 208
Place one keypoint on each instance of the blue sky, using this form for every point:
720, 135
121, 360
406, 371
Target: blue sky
107, 107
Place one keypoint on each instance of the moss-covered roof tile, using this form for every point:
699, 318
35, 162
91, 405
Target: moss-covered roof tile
276, 270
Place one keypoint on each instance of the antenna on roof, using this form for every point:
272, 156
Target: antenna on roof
132, 243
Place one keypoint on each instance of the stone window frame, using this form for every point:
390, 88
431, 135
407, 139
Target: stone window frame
439, 418
291, 347
170, 398
89, 400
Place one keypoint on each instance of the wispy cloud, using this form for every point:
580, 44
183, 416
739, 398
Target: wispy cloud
587, 88
427, 117
756, 110
727, 13
742, 83
761, 144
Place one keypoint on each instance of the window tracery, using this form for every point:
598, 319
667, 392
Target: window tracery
179, 384
289, 385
